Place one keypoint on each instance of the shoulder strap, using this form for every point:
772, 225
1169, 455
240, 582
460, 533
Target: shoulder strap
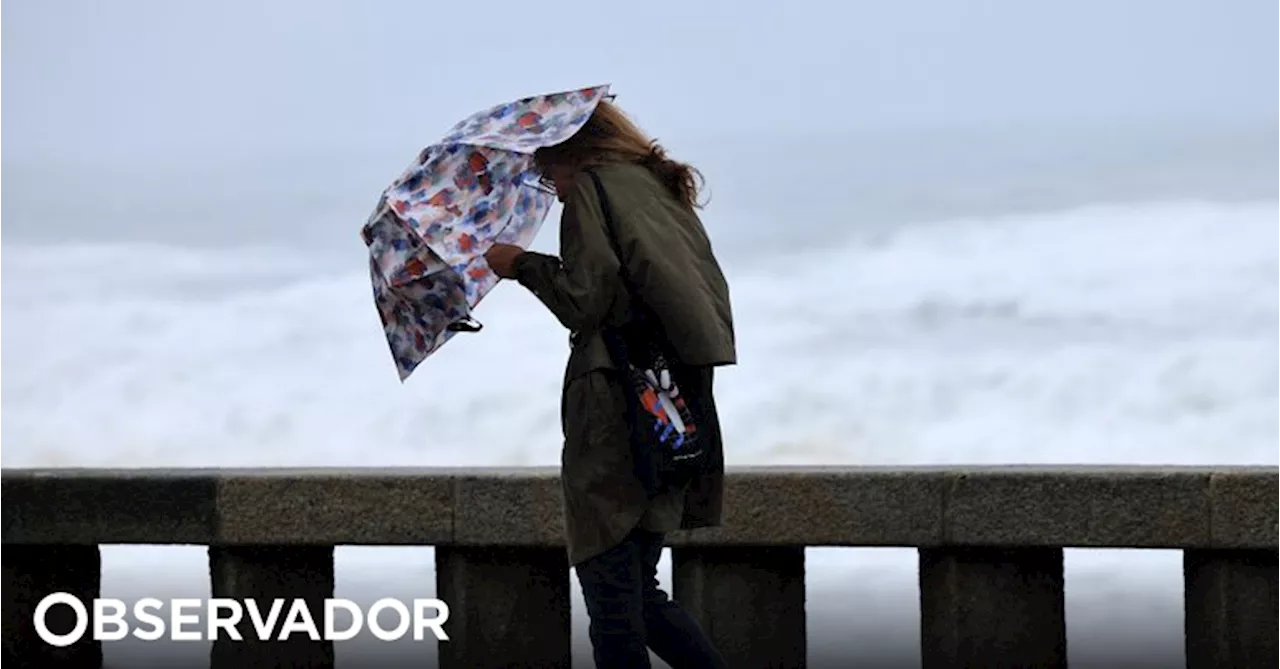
609, 229
641, 314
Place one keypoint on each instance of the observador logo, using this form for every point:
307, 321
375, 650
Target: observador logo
220, 618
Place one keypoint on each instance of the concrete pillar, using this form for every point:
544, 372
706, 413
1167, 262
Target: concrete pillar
1230, 608
264, 573
508, 607
33, 572
749, 600
990, 607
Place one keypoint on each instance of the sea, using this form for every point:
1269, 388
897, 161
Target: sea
1103, 297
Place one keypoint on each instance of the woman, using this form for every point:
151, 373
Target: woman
615, 527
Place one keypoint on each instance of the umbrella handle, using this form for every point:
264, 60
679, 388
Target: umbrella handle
465, 325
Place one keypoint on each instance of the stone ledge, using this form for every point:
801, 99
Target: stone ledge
1244, 509
828, 506
1137, 508
86, 506
316, 507
510, 507
1098, 506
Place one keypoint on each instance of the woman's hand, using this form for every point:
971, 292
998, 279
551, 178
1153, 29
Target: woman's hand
502, 259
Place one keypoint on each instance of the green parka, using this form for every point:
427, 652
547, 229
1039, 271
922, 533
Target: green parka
674, 272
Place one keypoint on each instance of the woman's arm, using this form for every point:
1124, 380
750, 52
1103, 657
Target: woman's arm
581, 285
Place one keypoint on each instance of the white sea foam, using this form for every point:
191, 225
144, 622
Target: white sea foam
1121, 334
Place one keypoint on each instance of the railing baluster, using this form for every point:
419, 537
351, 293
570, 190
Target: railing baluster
749, 600
990, 607
507, 606
264, 573
32, 572
1231, 608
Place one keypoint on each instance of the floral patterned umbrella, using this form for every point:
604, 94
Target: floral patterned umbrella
476, 187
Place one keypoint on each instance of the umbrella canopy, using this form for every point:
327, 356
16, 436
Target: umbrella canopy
476, 187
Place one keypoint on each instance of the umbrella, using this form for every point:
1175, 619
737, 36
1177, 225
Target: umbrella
476, 187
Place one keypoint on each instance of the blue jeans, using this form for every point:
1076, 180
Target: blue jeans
629, 614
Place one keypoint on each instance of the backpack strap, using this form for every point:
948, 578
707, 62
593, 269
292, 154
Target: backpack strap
642, 329
610, 230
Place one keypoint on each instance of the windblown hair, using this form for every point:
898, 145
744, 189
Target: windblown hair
610, 137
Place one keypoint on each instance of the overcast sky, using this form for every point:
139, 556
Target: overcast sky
191, 81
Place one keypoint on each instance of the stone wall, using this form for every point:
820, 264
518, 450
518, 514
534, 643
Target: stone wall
990, 543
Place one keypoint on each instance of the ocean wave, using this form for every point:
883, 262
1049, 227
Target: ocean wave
1135, 333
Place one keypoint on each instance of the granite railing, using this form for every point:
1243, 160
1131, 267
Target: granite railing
989, 539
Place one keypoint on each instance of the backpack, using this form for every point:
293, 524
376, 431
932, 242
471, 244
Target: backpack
663, 422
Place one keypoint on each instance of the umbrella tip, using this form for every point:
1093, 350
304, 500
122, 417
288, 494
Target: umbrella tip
465, 325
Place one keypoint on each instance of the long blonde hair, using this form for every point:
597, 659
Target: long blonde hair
610, 137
